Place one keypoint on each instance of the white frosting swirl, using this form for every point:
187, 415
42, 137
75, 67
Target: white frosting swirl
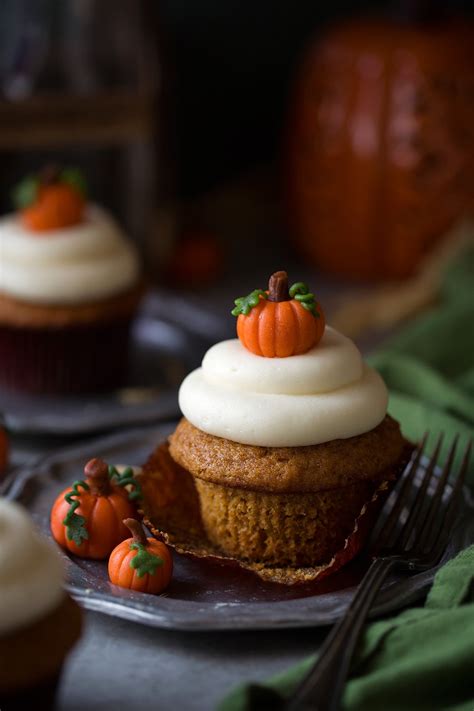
71, 265
31, 574
325, 394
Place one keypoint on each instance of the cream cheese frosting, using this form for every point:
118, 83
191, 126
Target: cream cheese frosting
31, 575
325, 394
77, 264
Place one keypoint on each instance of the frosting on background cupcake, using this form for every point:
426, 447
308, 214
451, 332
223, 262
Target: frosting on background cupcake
71, 265
31, 575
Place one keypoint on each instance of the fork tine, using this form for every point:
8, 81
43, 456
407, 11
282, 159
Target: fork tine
425, 533
441, 541
416, 509
403, 492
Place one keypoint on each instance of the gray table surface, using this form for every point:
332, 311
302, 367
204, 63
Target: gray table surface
120, 665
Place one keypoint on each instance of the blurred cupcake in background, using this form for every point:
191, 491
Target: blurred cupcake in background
70, 285
39, 623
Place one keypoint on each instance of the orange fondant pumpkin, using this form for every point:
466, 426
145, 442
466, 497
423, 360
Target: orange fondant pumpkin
280, 322
87, 518
53, 199
380, 145
140, 563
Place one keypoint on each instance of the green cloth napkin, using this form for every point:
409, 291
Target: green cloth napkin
429, 365
423, 658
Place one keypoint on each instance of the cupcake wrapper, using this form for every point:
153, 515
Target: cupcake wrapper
85, 358
291, 529
172, 511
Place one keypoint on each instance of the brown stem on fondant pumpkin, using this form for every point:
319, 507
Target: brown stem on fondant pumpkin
49, 174
136, 529
278, 287
97, 475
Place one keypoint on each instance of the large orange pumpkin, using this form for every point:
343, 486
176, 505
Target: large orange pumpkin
140, 563
380, 145
280, 322
87, 517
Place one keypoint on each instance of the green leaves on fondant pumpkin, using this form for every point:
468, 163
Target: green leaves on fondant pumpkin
75, 524
144, 562
244, 304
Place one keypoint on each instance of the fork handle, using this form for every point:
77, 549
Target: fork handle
322, 688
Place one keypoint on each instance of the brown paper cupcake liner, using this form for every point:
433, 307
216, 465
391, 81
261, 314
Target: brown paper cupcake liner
171, 510
68, 359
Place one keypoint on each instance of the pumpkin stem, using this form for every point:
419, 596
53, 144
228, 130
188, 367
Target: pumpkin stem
97, 474
50, 174
136, 529
278, 287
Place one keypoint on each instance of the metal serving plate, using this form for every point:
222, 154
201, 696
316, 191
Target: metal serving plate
203, 595
162, 354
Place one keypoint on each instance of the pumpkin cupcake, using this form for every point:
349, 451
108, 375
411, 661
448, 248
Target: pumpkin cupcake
39, 623
285, 434
70, 285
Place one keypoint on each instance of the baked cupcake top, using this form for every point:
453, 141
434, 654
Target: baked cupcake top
31, 575
60, 249
322, 393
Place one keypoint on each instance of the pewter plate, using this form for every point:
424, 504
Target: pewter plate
204, 595
162, 353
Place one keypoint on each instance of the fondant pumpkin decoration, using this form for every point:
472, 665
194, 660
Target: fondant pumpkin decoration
380, 144
140, 563
280, 322
4, 449
51, 200
87, 518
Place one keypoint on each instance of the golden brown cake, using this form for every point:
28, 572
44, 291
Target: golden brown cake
283, 452
286, 505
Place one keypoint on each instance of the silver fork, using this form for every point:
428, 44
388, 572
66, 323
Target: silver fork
417, 544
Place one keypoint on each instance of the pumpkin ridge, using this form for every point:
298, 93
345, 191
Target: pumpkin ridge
295, 326
260, 330
116, 514
120, 506
299, 327
124, 568
276, 320
92, 522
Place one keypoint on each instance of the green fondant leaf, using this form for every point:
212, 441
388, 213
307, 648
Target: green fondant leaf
244, 304
26, 192
76, 529
74, 178
301, 293
126, 478
298, 288
144, 562
75, 524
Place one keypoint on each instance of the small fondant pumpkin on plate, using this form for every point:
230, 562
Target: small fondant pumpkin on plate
140, 563
281, 321
87, 517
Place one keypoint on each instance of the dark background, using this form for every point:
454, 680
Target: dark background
231, 63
